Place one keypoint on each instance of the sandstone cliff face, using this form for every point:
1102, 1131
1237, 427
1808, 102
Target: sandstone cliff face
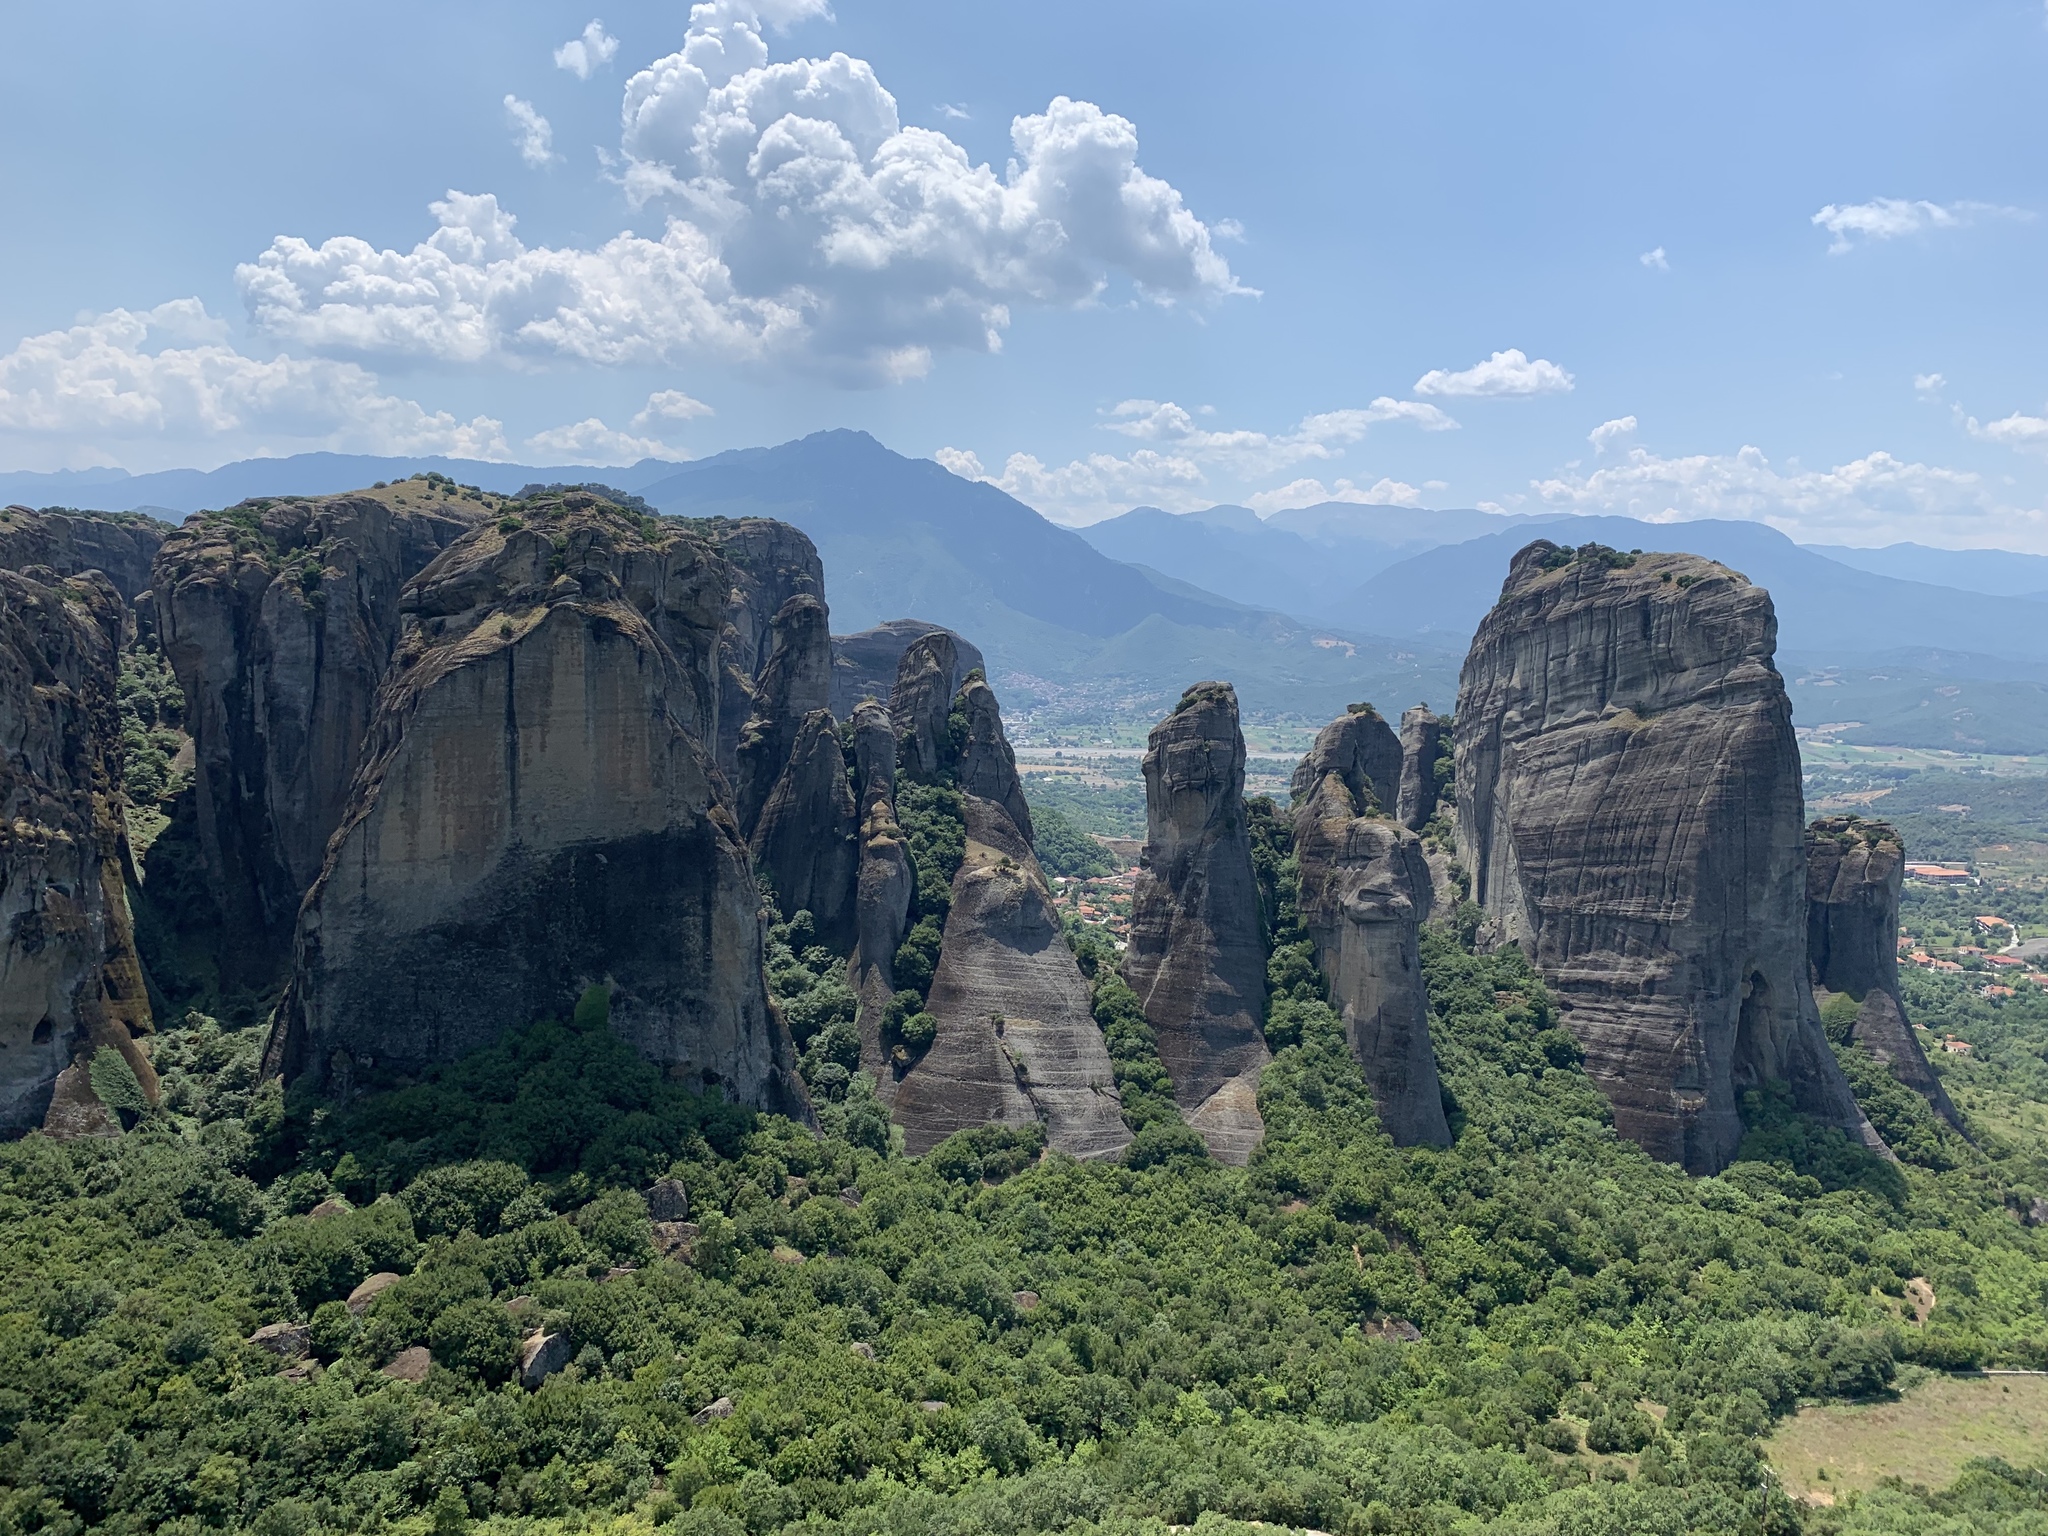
1016, 1039
1197, 959
864, 665
1362, 748
771, 563
920, 703
884, 885
795, 681
120, 545
807, 837
538, 812
1629, 807
1422, 736
1364, 894
1854, 870
988, 767
278, 619
70, 983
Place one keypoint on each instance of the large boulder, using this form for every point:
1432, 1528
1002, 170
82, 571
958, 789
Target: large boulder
119, 545
278, 618
1629, 808
771, 563
1017, 1041
1854, 871
1364, 894
1422, 740
864, 665
1197, 956
70, 984
538, 813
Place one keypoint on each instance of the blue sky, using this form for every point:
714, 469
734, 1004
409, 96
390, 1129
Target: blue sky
1106, 254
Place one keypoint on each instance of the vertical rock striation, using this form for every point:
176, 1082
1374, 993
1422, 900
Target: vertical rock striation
806, 837
1629, 807
884, 885
1422, 739
120, 545
1197, 957
278, 618
1360, 746
538, 812
864, 665
795, 681
70, 983
1854, 870
1364, 894
771, 563
920, 703
988, 767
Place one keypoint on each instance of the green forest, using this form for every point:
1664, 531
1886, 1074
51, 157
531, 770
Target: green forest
1536, 1330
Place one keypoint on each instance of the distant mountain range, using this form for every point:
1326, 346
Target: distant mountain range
1305, 611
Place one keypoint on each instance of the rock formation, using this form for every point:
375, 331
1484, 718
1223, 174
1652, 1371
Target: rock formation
1360, 746
70, 983
883, 886
806, 838
795, 680
1197, 958
921, 701
771, 563
1016, 1039
988, 767
278, 618
1422, 736
538, 813
864, 665
1629, 809
120, 545
1364, 894
1854, 869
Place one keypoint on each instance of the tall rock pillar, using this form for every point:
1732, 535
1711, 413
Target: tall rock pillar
1629, 807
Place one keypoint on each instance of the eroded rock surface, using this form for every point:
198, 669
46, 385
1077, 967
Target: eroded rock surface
279, 618
120, 545
70, 983
988, 767
1360, 746
1422, 737
1629, 808
794, 683
884, 885
920, 703
538, 813
771, 562
806, 838
1364, 894
1016, 1040
864, 664
1197, 958
1854, 870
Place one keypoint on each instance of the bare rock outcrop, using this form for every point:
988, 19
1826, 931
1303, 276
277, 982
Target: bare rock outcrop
1197, 957
278, 618
537, 813
1364, 894
884, 885
1629, 808
771, 562
864, 664
70, 983
795, 681
806, 838
1017, 1041
988, 767
1422, 739
1363, 748
1854, 871
120, 545
920, 703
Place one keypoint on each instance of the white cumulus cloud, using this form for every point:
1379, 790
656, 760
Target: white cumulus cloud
1875, 498
808, 226
1889, 218
1508, 374
140, 387
531, 132
1088, 489
590, 441
1929, 384
587, 53
671, 405
2019, 430
1656, 260
1308, 493
1610, 432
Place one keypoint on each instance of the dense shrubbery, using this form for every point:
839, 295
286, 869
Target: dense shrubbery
1063, 848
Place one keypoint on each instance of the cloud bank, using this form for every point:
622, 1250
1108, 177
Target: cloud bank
1506, 374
